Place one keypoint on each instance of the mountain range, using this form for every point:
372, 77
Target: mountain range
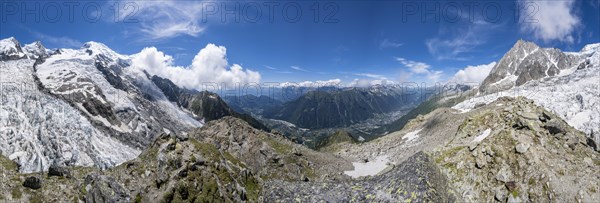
86, 125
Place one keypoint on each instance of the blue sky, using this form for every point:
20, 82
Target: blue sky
346, 40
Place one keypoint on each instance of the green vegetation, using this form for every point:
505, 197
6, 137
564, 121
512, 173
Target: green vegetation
448, 153
8, 164
515, 193
277, 146
424, 108
337, 137
16, 193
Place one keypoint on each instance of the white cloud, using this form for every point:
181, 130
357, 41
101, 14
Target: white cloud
387, 43
157, 20
472, 74
371, 75
208, 66
549, 20
414, 66
421, 68
458, 42
269, 67
434, 76
318, 83
368, 83
298, 68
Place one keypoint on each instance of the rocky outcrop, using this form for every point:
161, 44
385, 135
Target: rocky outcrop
512, 150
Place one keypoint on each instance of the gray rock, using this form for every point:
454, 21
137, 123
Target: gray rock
522, 148
102, 188
572, 142
500, 194
514, 199
588, 161
504, 174
555, 127
480, 161
530, 116
56, 170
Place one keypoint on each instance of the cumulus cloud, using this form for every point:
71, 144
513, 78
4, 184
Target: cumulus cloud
318, 83
549, 20
421, 68
472, 74
208, 67
368, 83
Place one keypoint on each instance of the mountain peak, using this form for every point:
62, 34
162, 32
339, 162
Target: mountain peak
36, 50
526, 46
94, 44
96, 48
9, 42
10, 48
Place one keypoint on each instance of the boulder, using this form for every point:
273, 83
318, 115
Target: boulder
56, 170
554, 127
33, 182
522, 148
100, 188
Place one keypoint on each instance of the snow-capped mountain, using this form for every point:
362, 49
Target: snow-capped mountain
120, 100
566, 83
84, 106
526, 61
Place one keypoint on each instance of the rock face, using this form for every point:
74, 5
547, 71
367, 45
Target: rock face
100, 188
204, 105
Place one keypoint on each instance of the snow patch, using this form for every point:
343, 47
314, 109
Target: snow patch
370, 168
412, 135
483, 135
